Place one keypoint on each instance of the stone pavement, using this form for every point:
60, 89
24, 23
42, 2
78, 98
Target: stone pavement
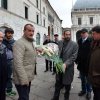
43, 85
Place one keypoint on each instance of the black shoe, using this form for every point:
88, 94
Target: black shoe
54, 99
66, 99
88, 96
81, 93
50, 70
45, 70
53, 73
79, 77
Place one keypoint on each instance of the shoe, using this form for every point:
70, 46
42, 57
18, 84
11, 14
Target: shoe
79, 77
66, 99
54, 99
53, 73
81, 93
45, 70
50, 70
88, 96
12, 93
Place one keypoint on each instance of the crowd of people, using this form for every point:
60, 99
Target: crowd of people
18, 63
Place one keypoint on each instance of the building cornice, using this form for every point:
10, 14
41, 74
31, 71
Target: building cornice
53, 10
85, 12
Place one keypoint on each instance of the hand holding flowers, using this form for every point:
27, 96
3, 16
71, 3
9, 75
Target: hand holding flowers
64, 67
49, 53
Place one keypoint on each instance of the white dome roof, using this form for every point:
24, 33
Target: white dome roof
83, 4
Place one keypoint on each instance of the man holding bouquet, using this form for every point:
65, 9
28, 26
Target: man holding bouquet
68, 53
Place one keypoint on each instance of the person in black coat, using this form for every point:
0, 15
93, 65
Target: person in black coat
82, 61
48, 62
56, 40
3, 68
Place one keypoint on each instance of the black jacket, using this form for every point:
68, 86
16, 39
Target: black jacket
3, 69
47, 41
83, 55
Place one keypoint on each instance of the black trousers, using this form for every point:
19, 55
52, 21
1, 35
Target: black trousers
9, 81
3, 81
48, 64
59, 85
23, 91
2, 92
54, 68
96, 92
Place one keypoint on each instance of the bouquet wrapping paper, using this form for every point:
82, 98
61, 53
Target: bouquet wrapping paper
50, 51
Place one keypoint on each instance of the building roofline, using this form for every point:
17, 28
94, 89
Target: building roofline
54, 10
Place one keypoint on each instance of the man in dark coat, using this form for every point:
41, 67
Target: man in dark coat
68, 53
48, 61
94, 65
3, 68
8, 41
56, 40
83, 54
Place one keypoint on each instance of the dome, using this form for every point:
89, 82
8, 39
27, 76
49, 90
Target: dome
83, 4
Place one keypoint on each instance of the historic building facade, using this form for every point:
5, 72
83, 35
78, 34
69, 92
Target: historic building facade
54, 22
16, 13
85, 14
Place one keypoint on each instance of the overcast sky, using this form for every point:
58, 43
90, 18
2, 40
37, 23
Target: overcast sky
63, 9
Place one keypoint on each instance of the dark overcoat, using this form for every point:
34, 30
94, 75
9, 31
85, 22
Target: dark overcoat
3, 72
69, 56
83, 55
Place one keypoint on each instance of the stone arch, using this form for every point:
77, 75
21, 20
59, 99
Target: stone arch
3, 27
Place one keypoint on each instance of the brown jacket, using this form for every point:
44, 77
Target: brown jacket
94, 67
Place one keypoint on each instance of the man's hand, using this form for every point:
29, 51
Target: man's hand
64, 67
27, 84
39, 51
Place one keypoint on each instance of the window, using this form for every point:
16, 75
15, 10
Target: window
43, 10
37, 19
38, 39
91, 20
26, 12
51, 18
44, 37
4, 4
44, 22
37, 3
79, 21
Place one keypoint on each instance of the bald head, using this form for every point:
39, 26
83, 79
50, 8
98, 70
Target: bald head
1, 37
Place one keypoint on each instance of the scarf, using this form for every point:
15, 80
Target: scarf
95, 44
2, 47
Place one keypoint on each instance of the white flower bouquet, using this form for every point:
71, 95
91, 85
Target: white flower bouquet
51, 52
